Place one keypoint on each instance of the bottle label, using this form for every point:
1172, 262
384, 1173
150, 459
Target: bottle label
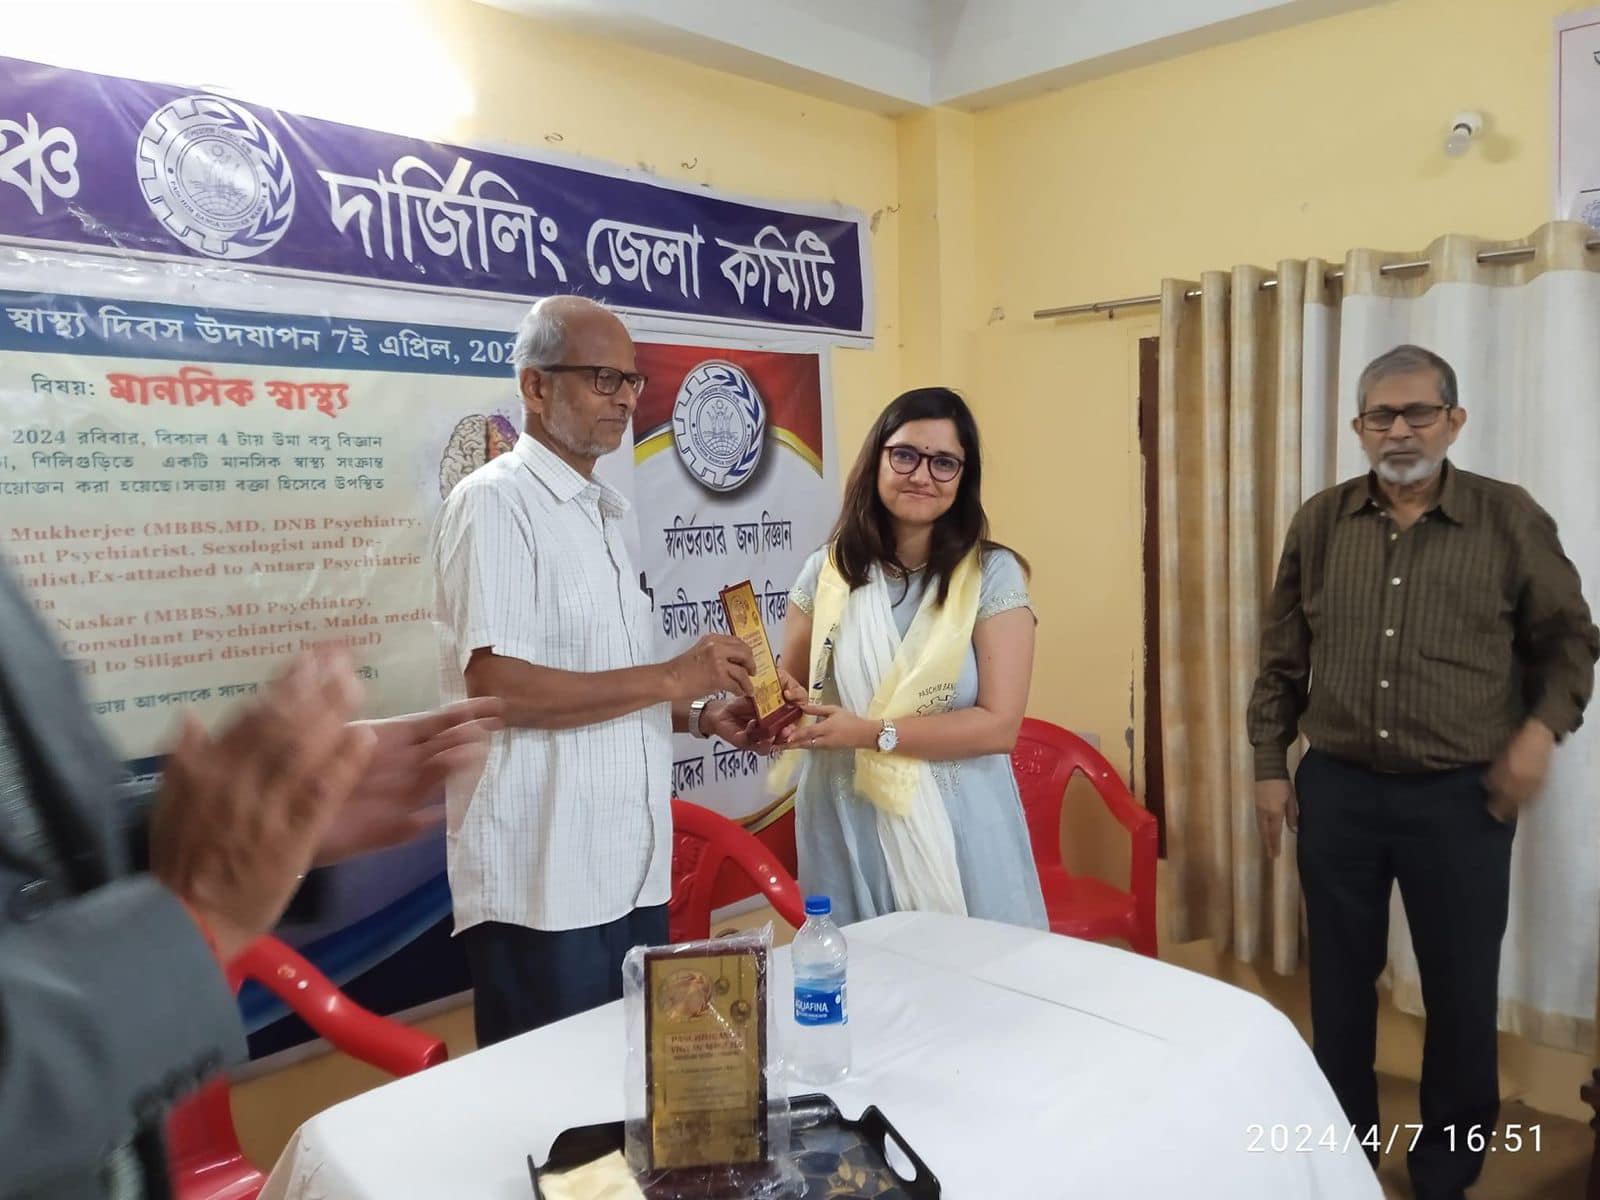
819, 1004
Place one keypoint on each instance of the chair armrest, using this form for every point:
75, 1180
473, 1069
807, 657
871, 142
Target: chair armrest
1129, 813
1144, 833
757, 860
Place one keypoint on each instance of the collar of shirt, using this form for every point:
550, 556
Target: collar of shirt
1363, 495
564, 483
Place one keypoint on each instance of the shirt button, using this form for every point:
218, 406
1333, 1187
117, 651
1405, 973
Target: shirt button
1383, 683
1395, 581
1384, 734
1394, 537
1388, 633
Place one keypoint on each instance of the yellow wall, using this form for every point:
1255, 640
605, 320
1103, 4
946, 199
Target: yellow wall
501, 79
1307, 141
460, 71
680, 122
938, 221
1303, 142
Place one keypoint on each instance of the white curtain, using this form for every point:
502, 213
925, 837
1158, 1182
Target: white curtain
1524, 339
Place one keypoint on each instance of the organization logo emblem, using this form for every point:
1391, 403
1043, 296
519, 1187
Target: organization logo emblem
215, 177
719, 425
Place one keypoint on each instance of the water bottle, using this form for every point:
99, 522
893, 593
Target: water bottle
821, 1050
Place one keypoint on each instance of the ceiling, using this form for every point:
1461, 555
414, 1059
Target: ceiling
900, 55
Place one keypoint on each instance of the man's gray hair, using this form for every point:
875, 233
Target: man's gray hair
1407, 360
542, 335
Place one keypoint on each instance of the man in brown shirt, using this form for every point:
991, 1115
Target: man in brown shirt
1429, 638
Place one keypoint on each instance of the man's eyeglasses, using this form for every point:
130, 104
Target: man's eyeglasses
1418, 416
904, 460
605, 380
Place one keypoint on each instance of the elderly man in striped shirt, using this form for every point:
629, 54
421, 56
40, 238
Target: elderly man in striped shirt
560, 857
1430, 639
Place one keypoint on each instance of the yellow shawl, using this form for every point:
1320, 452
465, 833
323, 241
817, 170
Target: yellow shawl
920, 680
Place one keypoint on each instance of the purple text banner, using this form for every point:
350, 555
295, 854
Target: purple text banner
113, 164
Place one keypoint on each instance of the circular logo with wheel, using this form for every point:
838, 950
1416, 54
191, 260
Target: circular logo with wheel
719, 425
1591, 213
215, 177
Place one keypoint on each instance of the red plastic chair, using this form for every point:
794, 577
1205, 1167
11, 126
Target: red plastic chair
1044, 761
703, 844
774, 829
203, 1149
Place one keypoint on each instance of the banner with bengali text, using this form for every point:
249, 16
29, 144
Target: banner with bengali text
735, 485
192, 493
129, 167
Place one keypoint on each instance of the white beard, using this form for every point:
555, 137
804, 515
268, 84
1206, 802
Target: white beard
562, 428
1422, 469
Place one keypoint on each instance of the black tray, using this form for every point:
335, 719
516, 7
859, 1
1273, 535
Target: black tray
840, 1159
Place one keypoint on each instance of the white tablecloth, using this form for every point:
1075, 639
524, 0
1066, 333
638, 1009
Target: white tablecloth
1017, 1064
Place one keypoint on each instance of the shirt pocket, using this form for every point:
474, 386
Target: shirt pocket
1466, 656
640, 612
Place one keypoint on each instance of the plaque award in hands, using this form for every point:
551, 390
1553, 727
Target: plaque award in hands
774, 714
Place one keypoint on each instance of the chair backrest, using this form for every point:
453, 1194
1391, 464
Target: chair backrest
388, 1045
703, 844
201, 1140
774, 828
1044, 760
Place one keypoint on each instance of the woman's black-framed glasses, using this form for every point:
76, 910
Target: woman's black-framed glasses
1418, 416
605, 380
904, 460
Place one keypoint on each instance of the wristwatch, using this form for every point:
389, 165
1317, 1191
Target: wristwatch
697, 712
888, 738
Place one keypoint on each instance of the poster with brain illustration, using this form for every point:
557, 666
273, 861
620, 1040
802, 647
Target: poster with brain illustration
186, 514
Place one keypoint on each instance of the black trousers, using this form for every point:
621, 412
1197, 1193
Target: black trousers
523, 978
1360, 833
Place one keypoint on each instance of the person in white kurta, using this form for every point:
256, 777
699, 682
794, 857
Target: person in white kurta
559, 856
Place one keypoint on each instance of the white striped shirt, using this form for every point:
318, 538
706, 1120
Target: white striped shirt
566, 828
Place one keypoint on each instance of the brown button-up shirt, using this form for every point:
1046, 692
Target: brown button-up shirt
1421, 649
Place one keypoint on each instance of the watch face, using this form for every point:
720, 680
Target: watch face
887, 740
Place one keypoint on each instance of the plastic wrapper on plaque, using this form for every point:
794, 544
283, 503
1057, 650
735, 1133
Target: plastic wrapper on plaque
708, 1110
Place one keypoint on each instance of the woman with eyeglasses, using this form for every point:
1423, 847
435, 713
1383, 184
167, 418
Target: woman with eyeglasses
909, 645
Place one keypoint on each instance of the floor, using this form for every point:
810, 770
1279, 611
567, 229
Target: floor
1556, 1172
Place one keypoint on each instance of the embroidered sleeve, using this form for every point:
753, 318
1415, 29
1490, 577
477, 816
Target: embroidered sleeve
1000, 602
1005, 587
804, 593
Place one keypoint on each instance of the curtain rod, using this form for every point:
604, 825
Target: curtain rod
1513, 254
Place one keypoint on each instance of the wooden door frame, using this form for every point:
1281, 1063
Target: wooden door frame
1152, 763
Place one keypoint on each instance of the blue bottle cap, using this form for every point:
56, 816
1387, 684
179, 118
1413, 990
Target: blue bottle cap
818, 906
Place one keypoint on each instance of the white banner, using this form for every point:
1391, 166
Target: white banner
1577, 150
733, 480
192, 494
